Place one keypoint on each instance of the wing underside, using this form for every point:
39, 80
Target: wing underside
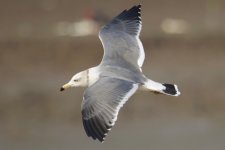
120, 38
101, 104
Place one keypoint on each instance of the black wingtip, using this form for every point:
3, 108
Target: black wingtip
139, 5
134, 13
95, 129
128, 21
136, 8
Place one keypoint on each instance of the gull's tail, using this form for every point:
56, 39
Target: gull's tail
164, 88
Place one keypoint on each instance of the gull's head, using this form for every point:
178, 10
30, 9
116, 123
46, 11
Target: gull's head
79, 79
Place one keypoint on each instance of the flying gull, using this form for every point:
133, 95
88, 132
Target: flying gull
117, 77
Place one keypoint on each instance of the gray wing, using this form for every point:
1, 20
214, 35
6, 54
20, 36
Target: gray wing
101, 104
120, 39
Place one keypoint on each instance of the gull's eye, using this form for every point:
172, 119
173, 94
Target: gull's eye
76, 80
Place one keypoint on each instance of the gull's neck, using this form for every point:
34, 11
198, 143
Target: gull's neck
92, 75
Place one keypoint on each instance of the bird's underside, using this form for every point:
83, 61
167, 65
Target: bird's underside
118, 76
122, 49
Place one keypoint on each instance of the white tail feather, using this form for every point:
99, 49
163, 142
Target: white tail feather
164, 88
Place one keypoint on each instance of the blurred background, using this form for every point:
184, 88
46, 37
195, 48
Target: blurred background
43, 43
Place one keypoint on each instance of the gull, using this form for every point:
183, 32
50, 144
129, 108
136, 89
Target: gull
117, 77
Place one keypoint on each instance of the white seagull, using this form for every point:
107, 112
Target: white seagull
117, 77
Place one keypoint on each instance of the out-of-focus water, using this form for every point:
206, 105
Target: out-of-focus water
152, 133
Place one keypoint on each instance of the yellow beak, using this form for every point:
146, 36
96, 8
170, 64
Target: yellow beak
66, 86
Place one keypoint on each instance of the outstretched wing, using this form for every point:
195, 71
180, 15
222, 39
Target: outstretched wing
101, 104
120, 39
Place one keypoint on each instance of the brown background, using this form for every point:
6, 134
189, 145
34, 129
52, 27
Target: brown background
35, 61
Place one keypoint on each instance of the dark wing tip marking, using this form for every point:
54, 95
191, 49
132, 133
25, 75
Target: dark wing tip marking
128, 21
133, 13
101, 105
95, 129
131, 19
